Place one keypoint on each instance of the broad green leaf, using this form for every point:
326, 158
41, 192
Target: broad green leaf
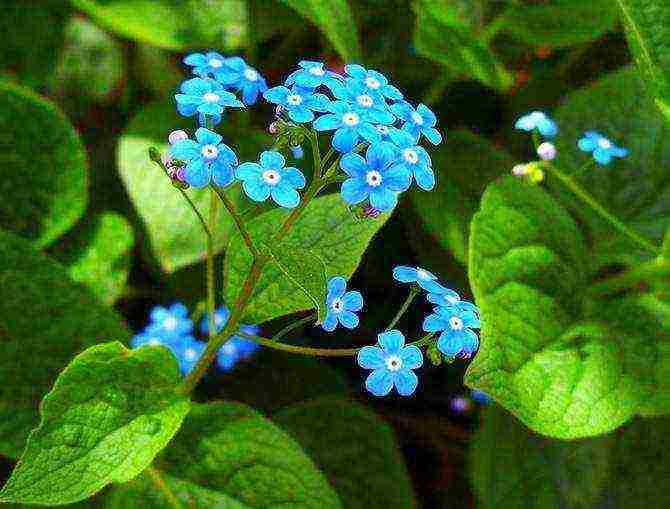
98, 255
512, 467
110, 412
637, 188
43, 168
566, 365
560, 22
157, 490
326, 227
306, 270
230, 448
175, 235
647, 25
334, 19
350, 444
464, 164
444, 36
170, 24
45, 320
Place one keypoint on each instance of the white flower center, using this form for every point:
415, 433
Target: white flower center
393, 363
170, 323
351, 119
373, 178
317, 71
294, 100
423, 275
250, 74
364, 100
211, 97
410, 155
382, 129
372, 83
455, 323
337, 305
272, 177
210, 152
215, 62
418, 119
190, 354
154, 341
604, 143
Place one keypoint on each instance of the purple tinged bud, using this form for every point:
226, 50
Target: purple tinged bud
461, 405
520, 170
279, 110
273, 128
546, 151
167, 160
177, 136
370, 212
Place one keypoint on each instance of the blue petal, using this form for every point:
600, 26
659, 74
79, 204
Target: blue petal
380, 155
285, 196
353, 165
380, 382
294, 177
227, 154
602, 156
256, 189
327, 122
272, 159
336, 287
197, 173
300, 114
354, 191
424, 176
587, 144
406, 382
427, 115
207, 137
383, 198
471, 342
547, 127
185, 150
368, 131
432, 134
247, 171
353, 301
187, 110
434, 323
405, 274
196, 87
345, 139
391, 341
276, 95
330, 322
450, 342
392, 92
348, 319
402, 139
250, 93
431, 286
195, 60
355, 71
370, 357
412, 357
207, 108
222, 173
397, 178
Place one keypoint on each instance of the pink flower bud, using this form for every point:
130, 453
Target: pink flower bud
176, 136
546, 151
273, 128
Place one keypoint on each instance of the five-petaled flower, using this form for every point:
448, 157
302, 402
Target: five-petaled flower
455, 323
375, 82
370, 106
374, 177
392, 363
413, 158
311, 75
240, 76
188, 351
171, 320
271, 178
537, 120
341, 305
205, 65
419, 121
207, 160
205, 97
446, 297
236, 348
603, 149
423, 278
299, 102
350, 123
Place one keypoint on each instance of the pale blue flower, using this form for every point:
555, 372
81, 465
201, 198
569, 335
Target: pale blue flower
350, 126
371, 107
421, 121
341, 305
205, 65
206, 98
171, 320
207, 160
603, 149
298, 102
537, 120
312, 75
423, 278
236, 74
413, 158
457, 337
375, 82
188, 351
271, 179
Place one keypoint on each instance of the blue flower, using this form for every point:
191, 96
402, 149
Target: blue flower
341, 305
205, 65
457, 337
375, 82
240, 76
370, 107
205, 97
445, 297
208, 160
384, 131
311, 75
172, 320
153, 335
350, 126
423, 278
188, 351
270, 178
413, 159
236, 349
603, 149
418, 122
374, 177
537, 120
392, 363
299, 102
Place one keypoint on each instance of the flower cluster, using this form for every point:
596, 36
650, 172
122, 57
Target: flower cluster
171, 327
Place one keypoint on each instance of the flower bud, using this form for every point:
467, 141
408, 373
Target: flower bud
370, 212
273, 128
520, 170
298, 152
546, 151
177, 136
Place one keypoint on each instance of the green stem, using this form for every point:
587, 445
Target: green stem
588, 164
211, 277
326, 158
239, 222
316, 153
292, 326
654, 269
410, 298
583, 195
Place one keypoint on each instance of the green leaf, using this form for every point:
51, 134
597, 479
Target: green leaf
326, 227
447, 38
172, 25
45, 320
109, 413
43, 168
232, 449
334, 19
566, 365
175, 235
637, 188
98, 255
306, 270
647, 25
465, 163
560, 22
351, 443
512, 467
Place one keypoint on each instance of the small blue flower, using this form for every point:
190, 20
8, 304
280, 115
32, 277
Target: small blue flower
153, 335
205, 97
445, 297
341, 305
423, 278
350, 126
418, 122
172, 320
392, 363
236, 348
188, 351
205, 65
457, 337
240, 76
537, 120
299, 102
311, 75
270, 178
374, 177
603, 149
370, 107
413, 159
208, 160
375, 82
